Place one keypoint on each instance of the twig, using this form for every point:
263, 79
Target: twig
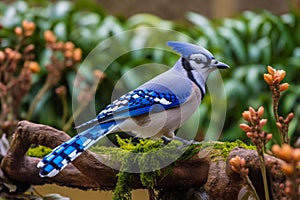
46, 87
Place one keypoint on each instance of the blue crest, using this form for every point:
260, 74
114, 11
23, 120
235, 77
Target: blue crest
187, 49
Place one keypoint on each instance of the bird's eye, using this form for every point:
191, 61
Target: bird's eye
198, 58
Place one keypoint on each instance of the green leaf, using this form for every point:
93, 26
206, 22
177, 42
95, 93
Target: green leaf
61, 9
285, 41
110, 26
10, 18
86, 19
60, 31
234, 42
254, 26
147, 20
205, 26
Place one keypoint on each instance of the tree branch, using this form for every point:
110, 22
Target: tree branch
87, 172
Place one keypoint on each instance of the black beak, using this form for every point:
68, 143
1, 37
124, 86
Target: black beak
221, 65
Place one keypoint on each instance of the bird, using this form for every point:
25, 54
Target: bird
155, 109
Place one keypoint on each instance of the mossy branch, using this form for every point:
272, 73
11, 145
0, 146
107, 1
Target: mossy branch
87, 172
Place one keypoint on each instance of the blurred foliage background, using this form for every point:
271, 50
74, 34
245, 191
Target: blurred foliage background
248, 43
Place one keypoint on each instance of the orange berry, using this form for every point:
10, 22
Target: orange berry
77, 54
260, 111
262, 122
28, 33
69, 46
61, 90
296, 155
287, 168
25, 23
286, 152
249, 134
279, 125
34, 67
276, 149
268, 78
18, 31
252, 111
281, 74
283, 87
280, 119
31, 26
49, 36
269, 136
14, 55
246, 116
68, 54
271, 70
290, 117
8, 50
28, 27
235, 161
2, 56
245, 127
242, 162
288, 190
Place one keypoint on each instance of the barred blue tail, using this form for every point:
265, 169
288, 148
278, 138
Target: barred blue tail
62, 155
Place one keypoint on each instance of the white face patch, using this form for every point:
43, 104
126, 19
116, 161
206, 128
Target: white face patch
196, 66
198, 61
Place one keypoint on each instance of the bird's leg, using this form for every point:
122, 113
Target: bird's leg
166, 139
184, 141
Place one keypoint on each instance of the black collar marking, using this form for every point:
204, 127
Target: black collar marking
186, 65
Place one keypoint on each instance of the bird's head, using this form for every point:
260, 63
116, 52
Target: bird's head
197, 58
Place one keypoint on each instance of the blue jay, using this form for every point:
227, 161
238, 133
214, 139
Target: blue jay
156, 108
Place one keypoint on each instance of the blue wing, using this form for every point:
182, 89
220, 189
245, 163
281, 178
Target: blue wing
135, 103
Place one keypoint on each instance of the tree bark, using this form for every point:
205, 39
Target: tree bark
87, 172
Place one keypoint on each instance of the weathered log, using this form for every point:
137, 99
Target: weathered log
87, 172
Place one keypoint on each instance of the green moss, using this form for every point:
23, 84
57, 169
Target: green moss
39, 151
222, 149
190, 151
147, 155
123, 187
149, 179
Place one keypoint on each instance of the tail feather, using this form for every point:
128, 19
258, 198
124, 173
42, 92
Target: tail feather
88, 124
62, 155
